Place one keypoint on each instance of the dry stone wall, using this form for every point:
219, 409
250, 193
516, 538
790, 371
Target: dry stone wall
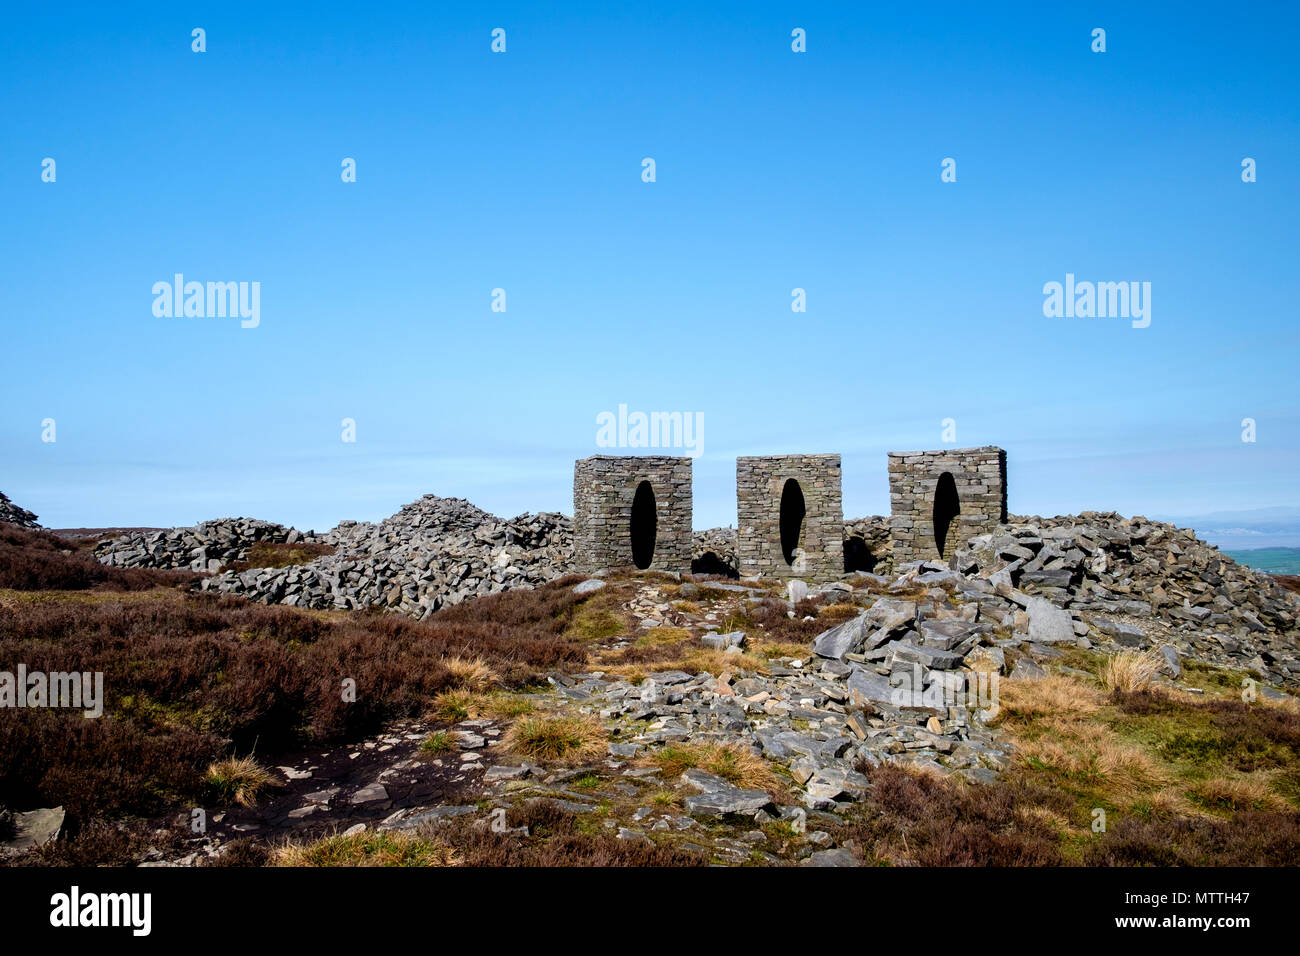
606, 507
771, 539
941, 499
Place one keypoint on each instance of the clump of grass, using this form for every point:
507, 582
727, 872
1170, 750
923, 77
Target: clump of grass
597, 619
456, 705
508, 705
663, 636
474, 674
734, 763
771, 649
717, 662
1132, 671
1237, 793
266, 555
437, 743
383, 848
239, 779
839, 612
555, 738
1052, 696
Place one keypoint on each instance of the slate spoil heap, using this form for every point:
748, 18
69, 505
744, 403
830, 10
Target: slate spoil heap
205, 548
1135, 581
11, 513
432, 553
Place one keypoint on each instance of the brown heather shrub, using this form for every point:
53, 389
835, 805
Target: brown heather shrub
1249, 838
776, 626
928, 820
243, 852
190, 677
101, 767
555, 839
36, 561
105, 844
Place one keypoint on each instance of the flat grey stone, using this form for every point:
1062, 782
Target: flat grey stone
929, 657
35, 827
840, 639
840, 857
504, 772
1026, 669
370, 793
718, 803
1049, 624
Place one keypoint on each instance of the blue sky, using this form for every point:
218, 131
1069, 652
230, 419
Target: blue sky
522, 171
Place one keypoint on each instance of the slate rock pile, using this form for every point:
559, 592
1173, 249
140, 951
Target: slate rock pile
867, 545
1138, 582
714, 552
11, 513
204, 548
434, 552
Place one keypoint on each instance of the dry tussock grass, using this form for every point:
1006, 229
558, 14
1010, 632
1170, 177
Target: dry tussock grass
1055, 695
474, 674
1132, 671
576, 738
717, 662
385, 848
239, 779
1238, 793
733, 762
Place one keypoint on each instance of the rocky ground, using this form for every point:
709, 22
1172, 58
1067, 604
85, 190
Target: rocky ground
908, 677
1126, 573
740, 720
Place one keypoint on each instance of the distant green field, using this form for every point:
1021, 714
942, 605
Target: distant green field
1272, 560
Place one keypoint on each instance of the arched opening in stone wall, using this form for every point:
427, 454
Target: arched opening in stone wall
793, 511
947, 506
644, 525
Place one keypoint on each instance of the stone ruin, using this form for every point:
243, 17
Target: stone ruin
635, 510
632, 510
940, 499
789, 516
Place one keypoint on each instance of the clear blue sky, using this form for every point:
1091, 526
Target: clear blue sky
522, 170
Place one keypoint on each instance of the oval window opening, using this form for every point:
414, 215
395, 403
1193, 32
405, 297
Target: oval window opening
792, 515
645, 525
946, 507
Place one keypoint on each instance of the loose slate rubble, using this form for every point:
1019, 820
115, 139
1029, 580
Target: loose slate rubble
1093, 577
205, 548
11, 513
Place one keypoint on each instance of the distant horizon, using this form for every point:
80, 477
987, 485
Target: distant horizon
1242, 539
